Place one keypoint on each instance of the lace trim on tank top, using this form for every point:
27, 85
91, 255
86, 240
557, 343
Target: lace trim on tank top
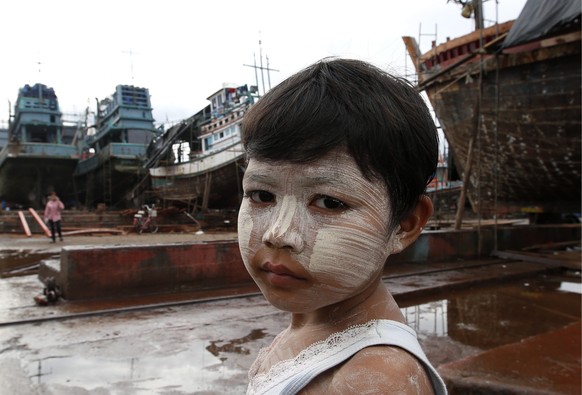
314, 353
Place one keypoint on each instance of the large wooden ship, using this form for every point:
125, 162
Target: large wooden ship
200, 162
508, 100
113, 154
39, 157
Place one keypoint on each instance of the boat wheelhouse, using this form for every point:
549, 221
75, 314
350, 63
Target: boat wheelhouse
113, 151
38, 157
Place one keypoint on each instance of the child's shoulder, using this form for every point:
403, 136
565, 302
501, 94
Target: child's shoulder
390, 370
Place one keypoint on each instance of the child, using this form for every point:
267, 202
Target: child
339, 158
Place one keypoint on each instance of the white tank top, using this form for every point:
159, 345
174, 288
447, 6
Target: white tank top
290, 376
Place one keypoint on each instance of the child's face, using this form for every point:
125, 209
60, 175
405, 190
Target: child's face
313, 234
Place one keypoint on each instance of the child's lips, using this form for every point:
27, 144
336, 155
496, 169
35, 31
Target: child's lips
280, 270
281, 275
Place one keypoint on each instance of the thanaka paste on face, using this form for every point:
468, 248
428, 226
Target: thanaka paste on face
280, 233
342, 250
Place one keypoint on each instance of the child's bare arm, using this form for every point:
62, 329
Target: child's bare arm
374, 371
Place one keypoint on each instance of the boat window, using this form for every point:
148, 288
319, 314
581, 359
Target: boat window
139, 136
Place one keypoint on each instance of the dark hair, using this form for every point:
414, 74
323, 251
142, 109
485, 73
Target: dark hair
381, 120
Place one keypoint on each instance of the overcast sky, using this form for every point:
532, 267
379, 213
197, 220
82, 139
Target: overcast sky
184, 50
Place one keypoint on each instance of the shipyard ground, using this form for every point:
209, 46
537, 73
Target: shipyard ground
205, 343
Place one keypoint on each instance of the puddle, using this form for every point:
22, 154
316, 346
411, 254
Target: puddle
474, 319
190, 371
486, 317
13, 260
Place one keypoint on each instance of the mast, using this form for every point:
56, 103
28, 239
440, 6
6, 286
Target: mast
262, 68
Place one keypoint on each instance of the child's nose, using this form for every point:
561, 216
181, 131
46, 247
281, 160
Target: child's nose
285, 228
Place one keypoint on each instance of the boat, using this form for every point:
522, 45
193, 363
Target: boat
199, 162
38, 158
508, 99
113, 149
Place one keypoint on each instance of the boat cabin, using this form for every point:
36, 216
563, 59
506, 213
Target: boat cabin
227, 107
124, 117
37, 117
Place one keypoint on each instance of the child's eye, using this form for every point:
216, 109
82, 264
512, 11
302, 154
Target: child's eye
261, 196
329, 203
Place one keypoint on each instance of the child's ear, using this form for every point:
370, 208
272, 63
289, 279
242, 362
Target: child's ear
411, 226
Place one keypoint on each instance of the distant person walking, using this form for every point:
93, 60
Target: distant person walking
52, 214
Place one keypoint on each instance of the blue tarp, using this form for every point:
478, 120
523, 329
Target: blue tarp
540, 18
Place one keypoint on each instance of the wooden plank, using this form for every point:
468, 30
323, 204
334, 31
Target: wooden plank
501, 29
24, 224
94, 231
46, 230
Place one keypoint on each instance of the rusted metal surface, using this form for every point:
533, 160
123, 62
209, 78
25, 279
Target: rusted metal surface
105, 272
121, 270
447, 245
527, 367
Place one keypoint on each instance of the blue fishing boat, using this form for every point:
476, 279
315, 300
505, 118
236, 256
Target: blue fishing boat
200, 161
38, 157
113, 150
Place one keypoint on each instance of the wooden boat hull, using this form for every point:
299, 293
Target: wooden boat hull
526, 123
214, 182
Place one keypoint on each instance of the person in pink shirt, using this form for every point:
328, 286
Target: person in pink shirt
52, 215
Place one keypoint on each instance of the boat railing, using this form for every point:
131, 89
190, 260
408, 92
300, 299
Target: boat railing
127, 149
224, 121
233, 144
45, 149
119, 150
